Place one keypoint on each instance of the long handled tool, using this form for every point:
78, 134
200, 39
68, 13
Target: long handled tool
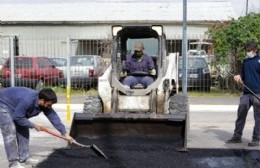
253, 93
93, 146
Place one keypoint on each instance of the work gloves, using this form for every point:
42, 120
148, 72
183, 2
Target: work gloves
153, 72
123, 74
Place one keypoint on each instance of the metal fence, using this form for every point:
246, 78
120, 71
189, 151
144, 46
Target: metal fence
29, 62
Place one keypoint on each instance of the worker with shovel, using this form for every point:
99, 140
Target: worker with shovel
250, 79
17, 105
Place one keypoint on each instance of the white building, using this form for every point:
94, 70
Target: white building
42, 28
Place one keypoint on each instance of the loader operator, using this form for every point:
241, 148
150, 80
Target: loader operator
250, 77
138, 68
17, 105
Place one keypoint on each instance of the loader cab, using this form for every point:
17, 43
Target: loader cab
124, 39
150, 48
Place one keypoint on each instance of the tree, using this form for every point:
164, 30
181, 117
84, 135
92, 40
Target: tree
229, 39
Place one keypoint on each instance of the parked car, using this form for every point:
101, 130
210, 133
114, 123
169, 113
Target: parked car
203, 54
58, 61
2, 61
84, 70
30, 71
198, 74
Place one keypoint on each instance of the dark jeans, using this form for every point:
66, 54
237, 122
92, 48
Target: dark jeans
16, 138
246, 101
133, 80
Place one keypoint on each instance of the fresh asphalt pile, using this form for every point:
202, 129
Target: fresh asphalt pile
143, 152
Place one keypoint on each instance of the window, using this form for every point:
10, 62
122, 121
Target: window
43, 63
150, 46
194, 63
21, 63
59, 61
86, 61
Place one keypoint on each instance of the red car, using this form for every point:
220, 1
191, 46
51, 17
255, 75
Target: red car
31, 71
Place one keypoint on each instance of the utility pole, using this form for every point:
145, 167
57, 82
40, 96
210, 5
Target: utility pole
184, 49
246, 7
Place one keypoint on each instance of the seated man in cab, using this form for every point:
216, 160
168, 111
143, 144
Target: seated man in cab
138, 68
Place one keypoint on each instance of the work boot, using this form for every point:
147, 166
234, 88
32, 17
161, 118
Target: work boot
234, 140
254, 143
16, 165
30, 161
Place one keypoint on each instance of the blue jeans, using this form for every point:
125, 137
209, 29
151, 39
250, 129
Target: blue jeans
133, 80
246, 101
16, 138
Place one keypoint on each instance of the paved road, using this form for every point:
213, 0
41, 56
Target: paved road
210, 126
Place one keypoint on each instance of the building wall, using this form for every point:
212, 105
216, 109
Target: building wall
51, 40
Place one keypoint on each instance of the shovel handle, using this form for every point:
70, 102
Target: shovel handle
80, 145
53, 133
59, 136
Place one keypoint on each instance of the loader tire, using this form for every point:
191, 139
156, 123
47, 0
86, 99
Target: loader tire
92, 104
178, 104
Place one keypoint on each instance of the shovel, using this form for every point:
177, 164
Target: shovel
93, 146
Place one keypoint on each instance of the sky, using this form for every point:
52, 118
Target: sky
239, 5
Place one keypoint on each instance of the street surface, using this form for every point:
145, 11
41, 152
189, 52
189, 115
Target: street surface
211, 123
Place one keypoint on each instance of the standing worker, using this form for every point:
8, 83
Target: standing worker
250, 76
17, 105
136, 63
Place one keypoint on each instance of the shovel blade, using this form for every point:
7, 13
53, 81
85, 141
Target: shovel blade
93, 147
98, 151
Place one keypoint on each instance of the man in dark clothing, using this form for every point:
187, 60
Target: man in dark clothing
17, 105
250, 76
138, 68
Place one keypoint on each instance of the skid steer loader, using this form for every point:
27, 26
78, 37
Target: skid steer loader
157, 110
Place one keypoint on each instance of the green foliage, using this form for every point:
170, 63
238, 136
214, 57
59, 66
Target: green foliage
61, 91
229, 37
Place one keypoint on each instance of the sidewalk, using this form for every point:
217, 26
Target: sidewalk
214, 100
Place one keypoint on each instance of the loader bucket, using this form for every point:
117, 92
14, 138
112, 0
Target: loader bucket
129, 124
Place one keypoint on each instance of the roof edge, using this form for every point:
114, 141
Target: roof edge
57, 23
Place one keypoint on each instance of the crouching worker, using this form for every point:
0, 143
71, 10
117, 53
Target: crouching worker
17, 105
138, 68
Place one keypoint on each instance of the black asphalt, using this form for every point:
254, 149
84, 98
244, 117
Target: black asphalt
145, 152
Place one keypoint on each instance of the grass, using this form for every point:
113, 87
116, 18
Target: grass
214, 92
60, 91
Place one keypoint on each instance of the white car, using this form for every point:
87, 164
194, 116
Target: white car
2, 61
84, 70
203, 54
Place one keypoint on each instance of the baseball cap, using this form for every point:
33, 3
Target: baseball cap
139, 46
